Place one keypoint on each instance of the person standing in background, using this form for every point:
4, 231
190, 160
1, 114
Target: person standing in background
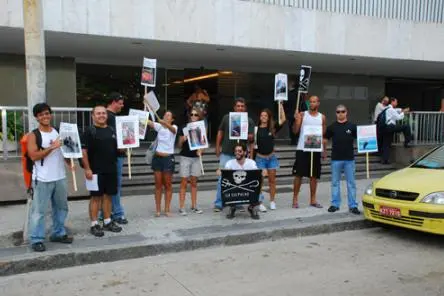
115, 105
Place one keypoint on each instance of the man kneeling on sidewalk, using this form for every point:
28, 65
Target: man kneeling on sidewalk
99, 147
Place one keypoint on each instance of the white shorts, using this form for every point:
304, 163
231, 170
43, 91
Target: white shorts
189, 166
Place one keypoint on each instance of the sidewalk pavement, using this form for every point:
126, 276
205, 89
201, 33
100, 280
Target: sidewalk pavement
147, 235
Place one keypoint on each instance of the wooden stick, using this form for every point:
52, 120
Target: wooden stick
279, 112
74, 180
297, 101
311, 164
201, 165
128, 152
367, 164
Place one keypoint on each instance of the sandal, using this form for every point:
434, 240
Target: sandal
295, 206
316, 205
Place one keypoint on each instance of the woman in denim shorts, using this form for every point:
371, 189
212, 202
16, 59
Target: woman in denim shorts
190, 168
265, 156
163, 160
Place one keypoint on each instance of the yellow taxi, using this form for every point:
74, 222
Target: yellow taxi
412, 197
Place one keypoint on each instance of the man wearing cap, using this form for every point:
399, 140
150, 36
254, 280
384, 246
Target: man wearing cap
114, 106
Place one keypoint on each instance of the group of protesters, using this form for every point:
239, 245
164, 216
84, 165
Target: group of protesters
101, 157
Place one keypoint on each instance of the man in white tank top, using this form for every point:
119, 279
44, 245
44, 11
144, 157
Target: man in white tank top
302, 165
48, 180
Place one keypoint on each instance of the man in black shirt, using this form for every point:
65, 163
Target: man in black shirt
99, 147
114, 106
342, 133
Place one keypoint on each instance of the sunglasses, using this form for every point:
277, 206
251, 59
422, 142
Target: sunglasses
340, 111
194, 114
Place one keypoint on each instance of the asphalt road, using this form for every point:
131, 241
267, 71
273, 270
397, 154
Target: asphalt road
367, 262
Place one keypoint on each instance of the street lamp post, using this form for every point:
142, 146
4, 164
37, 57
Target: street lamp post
35, 56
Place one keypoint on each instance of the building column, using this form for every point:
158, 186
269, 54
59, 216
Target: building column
35, 56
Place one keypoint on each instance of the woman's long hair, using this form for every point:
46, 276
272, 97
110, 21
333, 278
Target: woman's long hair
270, 124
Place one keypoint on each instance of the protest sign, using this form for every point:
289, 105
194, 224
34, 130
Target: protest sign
367, 139
149, 70
304, 79
143, 121
197, 135
238, 125
280, 87
71, 148
312, 138
240, 187
127, 132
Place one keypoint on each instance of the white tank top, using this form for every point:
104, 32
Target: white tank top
308, 120
53, 168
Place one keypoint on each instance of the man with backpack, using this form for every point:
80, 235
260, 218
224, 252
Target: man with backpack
99, 147
387, 126
48, 180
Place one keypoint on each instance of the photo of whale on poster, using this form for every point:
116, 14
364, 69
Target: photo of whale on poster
148, 77
367, 139
143, 121
238, 125
281, 87
240, 187
127, 131
312, 138
69, 136
197, 135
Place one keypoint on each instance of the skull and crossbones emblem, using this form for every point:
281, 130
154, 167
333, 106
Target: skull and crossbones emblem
239, 177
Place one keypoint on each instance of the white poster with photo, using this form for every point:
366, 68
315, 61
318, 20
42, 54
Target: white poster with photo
281, 87
127, 130
69, 136
197, 135
312, 138
143, 121
148, 77
150, 100
238, 126
367, 138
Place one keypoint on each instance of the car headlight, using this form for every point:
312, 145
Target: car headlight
436, 198
369, 190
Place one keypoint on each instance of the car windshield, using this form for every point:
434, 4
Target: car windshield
434, 160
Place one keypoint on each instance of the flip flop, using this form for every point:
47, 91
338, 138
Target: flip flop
295, 206
316, 205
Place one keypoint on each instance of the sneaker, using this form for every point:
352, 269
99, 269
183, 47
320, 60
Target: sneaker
332, 209
272, 205
64, 239
38, 247
112, 226
196, 211
262, 208
121, 221
182, 212
96, 230
354, 211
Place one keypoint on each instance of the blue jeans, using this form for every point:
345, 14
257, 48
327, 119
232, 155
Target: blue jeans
223, 159
117, 208
348, 167
44, 192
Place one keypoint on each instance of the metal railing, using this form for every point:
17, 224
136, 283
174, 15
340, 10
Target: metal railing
426, 11
427, 128
14, 124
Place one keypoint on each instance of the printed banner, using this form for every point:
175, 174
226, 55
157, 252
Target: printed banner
148, 77
367, 139
240, 187
238, 126
312, 138
69, 136
197, 135
143, 121
127, 132
281, 87
304, 79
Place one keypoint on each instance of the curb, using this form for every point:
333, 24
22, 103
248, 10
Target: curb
56, 261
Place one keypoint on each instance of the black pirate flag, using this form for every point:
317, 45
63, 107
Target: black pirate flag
241, 187
304, 79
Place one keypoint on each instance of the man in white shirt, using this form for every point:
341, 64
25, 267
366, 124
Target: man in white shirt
392, 116
380, 106
242, 163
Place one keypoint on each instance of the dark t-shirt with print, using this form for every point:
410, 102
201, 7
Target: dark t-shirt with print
342, 136
101, 146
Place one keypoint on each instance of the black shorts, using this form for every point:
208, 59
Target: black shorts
107, 184
301, 166
163, 164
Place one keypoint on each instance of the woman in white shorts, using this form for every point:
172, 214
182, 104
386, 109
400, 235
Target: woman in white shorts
190, 168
